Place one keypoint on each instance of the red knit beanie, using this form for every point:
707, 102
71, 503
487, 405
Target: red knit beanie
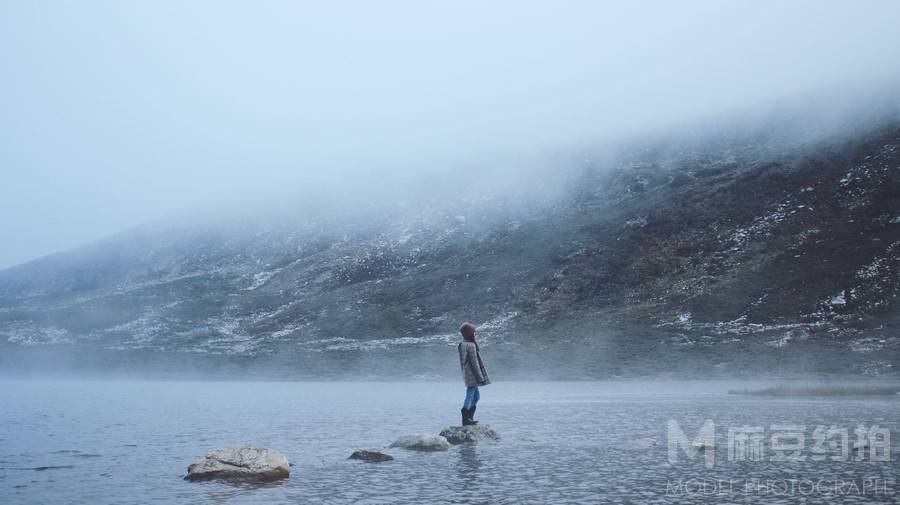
467, 330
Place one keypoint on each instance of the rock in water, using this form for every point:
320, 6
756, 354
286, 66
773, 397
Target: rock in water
371, 455
461, 434
240, 463
422, 443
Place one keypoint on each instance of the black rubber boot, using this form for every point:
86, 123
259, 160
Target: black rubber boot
472, 414
467, 417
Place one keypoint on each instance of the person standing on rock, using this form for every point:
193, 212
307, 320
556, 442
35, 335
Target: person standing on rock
473, 371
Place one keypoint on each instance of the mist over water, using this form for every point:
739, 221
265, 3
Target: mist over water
562, 442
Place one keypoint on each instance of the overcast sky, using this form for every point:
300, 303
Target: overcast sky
116, 113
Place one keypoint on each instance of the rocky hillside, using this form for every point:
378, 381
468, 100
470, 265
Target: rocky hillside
714, 254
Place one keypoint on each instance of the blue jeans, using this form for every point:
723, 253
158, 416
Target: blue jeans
472, 397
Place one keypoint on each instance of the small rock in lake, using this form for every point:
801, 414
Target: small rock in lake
461, 434
371, 455
240, 464
422, 443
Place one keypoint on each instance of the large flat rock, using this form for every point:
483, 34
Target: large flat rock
240, 463
462, 434
422, 443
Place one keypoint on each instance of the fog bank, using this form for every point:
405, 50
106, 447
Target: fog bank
116, 114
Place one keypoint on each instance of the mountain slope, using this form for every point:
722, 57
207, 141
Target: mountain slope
725, 253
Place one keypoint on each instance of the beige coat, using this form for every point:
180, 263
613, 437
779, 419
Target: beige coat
473, 371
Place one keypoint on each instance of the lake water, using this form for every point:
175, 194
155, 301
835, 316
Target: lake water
122, 442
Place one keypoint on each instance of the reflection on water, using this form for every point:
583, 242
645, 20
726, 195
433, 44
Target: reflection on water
469, 463
568, 443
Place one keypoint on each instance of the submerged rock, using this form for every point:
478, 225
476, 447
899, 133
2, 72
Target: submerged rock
461, 434
242, 463
422, 443
371, 455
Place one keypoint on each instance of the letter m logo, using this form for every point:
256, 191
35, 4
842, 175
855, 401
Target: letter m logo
704, 443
